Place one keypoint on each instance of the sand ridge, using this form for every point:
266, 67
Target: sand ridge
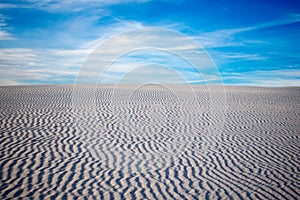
53, 150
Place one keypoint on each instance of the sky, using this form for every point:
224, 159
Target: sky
252, 43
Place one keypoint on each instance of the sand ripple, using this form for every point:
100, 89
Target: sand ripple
158, 145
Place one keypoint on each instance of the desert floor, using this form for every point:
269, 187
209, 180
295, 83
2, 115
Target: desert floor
149, 142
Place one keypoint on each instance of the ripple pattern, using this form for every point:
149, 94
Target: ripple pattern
51, 151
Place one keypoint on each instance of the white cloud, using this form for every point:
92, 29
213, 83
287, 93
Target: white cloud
163, 74
28, 66
66, 5
4, 34
270, 78
236, 57
17, 57
5, 82
8, 5
107, 31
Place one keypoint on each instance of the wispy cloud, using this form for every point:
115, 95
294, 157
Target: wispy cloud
10, 5
52, 65
270, 78
241, 56
287, 19
227, 37
65, 6
4, 34
28, 66
5, 82
16, 57
144, 47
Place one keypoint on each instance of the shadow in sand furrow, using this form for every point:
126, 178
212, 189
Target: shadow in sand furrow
264, 184
176, 186
243, 160
233, 178
59, 182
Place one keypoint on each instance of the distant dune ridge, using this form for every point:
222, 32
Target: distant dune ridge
149, 143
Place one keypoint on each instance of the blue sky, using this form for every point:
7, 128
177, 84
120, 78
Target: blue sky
251, 42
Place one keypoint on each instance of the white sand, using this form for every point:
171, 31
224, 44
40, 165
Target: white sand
149, 143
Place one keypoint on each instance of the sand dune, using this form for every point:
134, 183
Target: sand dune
101, 142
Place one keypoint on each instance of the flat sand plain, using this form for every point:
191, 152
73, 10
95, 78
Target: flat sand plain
150, 143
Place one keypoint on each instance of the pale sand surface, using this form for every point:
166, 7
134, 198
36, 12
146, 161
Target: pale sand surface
100, 146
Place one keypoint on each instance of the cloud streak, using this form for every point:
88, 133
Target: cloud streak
144, 47
226, 37
65, 6
270, 78
4, 34
28, 66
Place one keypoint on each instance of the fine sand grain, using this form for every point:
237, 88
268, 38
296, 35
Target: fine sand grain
101, 142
